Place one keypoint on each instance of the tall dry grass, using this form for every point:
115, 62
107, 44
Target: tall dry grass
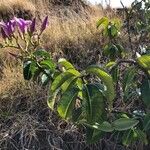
20, 8
24, 115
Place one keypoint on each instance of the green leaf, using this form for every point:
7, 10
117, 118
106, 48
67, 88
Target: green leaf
110, 64
145, 91
26, 70
66, 64
60, 79
36, 74
51, 100
121, 51
117, 22
115, 74
93, 102
48, 64
74, 71
77, 114
144, 61
45, 79
73, 81
106, 79
113, 31
124, 124
128, 78
146, 123
103, 21
42, 54
105, 126
112, 51
67, 103
68, 83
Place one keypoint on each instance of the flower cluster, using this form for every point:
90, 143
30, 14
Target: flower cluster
22, 26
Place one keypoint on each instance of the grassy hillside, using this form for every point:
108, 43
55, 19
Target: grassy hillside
26, 122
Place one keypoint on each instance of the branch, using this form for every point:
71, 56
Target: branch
130, 61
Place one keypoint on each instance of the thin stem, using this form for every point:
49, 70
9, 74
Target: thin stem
130, 61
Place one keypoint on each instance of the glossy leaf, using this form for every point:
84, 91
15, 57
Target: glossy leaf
45, 79
110, 64
67, 103
146, 123
145, 91
94, 102
48, 64
60, 79
106, 79
77, 114
144, 61
105, 126
103, 21
69, 83
124, 124
51, 99
66, 64
26, 70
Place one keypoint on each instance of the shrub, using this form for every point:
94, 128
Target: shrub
98, 97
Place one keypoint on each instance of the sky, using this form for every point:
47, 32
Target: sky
114, 3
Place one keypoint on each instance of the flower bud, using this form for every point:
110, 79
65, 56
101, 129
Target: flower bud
32, 26
44, 24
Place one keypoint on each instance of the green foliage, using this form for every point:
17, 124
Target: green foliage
93, 103
27, 70
145, 91
111, 29
106, 79
67, 103
124, 124
98, 97
144, 61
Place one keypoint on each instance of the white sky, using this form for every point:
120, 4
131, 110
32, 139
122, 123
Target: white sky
114, 3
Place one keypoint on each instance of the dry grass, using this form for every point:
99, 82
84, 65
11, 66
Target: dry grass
25, 120
74, 36
20, 8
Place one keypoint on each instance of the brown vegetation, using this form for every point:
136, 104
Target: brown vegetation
25, 120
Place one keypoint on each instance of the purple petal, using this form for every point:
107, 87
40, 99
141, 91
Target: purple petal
4, 29
28, 22
44, 24
21, 23
10, 28
32, 26
13, 22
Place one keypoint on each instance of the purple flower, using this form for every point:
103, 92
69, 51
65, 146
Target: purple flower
10, 28
6, 29
22, 24
44, 24
32, 26
13, 22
